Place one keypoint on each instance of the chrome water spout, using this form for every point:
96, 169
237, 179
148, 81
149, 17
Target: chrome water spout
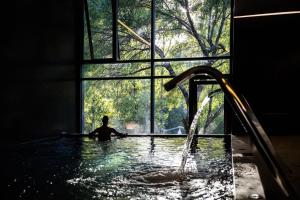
249, 121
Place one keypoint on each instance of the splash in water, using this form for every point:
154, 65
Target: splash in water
161, 177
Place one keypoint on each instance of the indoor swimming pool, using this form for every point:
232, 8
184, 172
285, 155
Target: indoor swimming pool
123, 168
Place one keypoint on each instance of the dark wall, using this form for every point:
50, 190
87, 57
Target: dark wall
266, 62
39, 83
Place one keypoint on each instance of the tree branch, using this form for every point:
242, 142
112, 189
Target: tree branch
179, 20
137, 71
199, 38
167, 65
222, 23
213, 117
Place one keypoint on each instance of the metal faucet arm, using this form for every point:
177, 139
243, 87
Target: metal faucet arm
248, 119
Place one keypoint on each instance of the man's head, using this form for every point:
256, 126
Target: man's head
105, 120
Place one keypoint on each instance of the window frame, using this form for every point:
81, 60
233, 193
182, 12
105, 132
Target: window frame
152, 60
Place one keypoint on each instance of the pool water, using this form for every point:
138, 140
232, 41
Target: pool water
124, 168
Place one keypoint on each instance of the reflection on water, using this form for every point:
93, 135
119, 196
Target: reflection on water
127, 168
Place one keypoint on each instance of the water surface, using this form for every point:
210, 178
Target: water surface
126, 168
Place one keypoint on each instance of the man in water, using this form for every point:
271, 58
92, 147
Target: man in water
104, 132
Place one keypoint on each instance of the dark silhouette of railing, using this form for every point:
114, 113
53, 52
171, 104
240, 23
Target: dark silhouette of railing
248, 119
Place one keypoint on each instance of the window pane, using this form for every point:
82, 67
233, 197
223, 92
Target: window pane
86, 47
125, 102
116, 70
198, 28
170, 109
134, 27
100, 12
166, 68
211, 120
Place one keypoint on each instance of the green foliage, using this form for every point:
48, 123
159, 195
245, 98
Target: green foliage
217, 102
175, 116
100, 12
123, 101
184, 28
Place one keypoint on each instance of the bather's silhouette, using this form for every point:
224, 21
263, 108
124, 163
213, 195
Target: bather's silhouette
104, 132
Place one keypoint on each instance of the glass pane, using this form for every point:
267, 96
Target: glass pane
134, 29
116, 70
86, 47
100, 12
211, 120
170, 109
166, 68
125, 102
192, 28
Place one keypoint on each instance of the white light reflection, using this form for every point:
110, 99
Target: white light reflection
267, 14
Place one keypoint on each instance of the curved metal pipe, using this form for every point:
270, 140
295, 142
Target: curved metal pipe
248, 119
215, 92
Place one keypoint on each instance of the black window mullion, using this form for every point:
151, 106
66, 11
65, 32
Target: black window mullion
115, 45
108, 60
152, 96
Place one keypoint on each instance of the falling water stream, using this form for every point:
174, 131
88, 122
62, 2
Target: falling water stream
192, 130
191, 134
179, 175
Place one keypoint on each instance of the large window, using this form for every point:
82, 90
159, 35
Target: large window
133, 47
